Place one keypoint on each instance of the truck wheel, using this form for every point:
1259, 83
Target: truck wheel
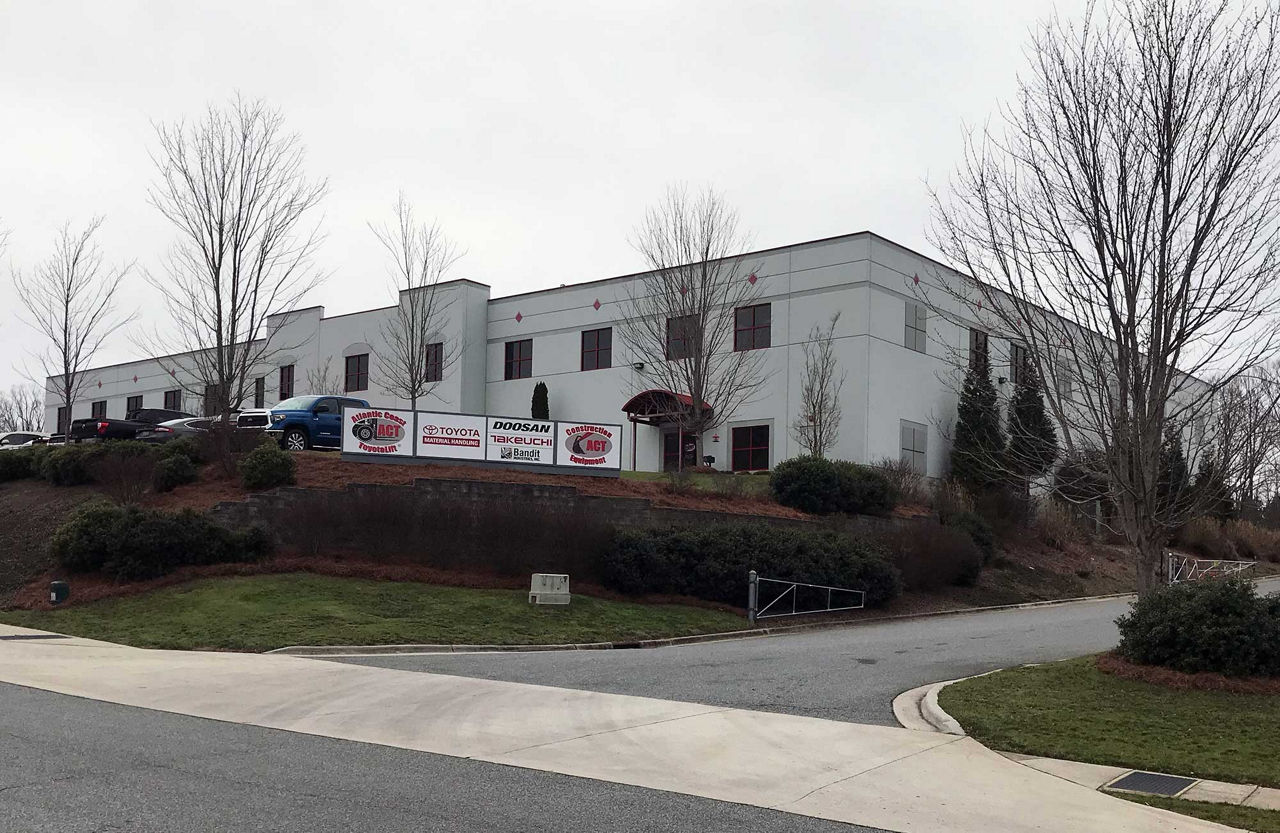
295, 439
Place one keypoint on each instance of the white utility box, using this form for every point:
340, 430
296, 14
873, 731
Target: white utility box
549, 589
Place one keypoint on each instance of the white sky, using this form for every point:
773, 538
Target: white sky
536, 133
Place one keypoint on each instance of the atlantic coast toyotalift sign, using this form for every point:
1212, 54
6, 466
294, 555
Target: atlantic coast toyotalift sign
494, 439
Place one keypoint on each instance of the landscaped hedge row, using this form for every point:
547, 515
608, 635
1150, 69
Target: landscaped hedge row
133, 544
712, 562
1217, 625
820, 487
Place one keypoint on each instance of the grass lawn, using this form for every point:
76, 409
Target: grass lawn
1071, 710
750, 484
1244, 818
258, 613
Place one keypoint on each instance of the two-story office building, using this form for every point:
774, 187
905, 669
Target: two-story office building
898, 357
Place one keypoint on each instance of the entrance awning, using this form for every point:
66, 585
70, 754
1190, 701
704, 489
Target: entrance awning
654, 407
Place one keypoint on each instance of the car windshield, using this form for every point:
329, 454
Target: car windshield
297, 403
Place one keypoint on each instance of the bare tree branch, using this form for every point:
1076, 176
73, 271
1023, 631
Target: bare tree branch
324, 380
22, 408
818, 424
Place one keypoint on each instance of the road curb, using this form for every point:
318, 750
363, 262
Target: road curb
751, 633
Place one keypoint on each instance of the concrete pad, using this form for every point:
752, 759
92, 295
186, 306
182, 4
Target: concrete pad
1266, 798
1218, 792
1092, 776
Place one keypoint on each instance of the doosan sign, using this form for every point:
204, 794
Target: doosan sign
369, 432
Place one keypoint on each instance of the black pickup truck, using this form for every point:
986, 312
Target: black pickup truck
102, 428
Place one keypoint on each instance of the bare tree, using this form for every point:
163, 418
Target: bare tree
69, 300
1122, 230
324, 380
1247, 433
679, 316
22, 408
416, 353
818, 424
233, 185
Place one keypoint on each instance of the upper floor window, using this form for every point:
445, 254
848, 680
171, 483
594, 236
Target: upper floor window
682, 334
1019, 363
99, 409
519, 359
286, 382
173, 400
435, 361
133, 403
357, 377
597, 349
915, 445
914, 334
751, 327
978, 347
260, 392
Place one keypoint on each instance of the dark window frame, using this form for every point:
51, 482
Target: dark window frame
753, 336
356, 377
286, 382
594, 355
919, 436
678, 338
173, 400
517, 360
747, 452
435, 362
915, 333
260, 392
133, 403
979, 345
98, 410
1019, 362
63, 421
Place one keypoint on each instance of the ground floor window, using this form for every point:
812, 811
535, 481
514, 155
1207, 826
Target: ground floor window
915, 445
173, 400
99, 410
134, 403
751, 448
62, 420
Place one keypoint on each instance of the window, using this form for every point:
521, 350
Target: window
1018, 363
751, 448
173, 400
286, 382
133, 403
977, 347
1062, 376
751, 327
597, 349
682, 333
99, 409
62, 420
260, 392
916, 328
519, 359
915, 443
357, 373
212, 400
435, 361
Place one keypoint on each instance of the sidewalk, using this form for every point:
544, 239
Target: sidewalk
895, 779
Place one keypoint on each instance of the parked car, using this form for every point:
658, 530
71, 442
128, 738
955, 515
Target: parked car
102, 428
254, 418
17, 439
310, 421
52, 439
175, 428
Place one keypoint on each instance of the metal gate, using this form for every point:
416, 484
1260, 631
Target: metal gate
790, 589
1183, 568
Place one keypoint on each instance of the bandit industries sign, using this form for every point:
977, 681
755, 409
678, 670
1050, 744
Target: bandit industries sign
451, 436
528, 441
374, 431
589, 445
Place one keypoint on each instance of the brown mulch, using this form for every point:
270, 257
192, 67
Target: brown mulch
321, 470
1117, 666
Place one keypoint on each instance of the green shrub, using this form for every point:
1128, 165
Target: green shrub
172, 471
132, 544
712, 562
18, 464
187, 447
863, 490
1218, 625
976, 527
268, 466
71, 464
810, 484
930, 555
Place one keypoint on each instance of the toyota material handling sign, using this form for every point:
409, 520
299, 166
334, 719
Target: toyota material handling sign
589, 445
514, 440
374, 431
451, 436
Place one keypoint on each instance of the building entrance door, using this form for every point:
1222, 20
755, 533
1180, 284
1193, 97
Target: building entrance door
671, 441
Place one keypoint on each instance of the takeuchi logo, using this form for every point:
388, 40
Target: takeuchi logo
378, 432
588, 445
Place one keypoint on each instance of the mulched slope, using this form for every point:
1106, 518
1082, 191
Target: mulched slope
29, 512
1117, 666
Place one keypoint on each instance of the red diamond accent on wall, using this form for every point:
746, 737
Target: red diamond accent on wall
135, 379
684, 290
597, 304
916, 279
979, 305
171, 373
99, 383
751, 279
519, 318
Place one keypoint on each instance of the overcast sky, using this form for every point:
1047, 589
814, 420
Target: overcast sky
535, 133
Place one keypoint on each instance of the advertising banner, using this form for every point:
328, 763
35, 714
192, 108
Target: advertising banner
589, 445
511, 440
450, 436
375, 431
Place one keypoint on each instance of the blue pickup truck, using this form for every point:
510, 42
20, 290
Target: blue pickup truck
310, 421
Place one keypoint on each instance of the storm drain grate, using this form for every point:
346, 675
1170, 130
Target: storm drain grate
16, 636
1152, 783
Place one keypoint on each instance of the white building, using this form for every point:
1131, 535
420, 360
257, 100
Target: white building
898, 399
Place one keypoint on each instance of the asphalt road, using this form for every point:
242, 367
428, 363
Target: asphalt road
848, 674
69, 765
